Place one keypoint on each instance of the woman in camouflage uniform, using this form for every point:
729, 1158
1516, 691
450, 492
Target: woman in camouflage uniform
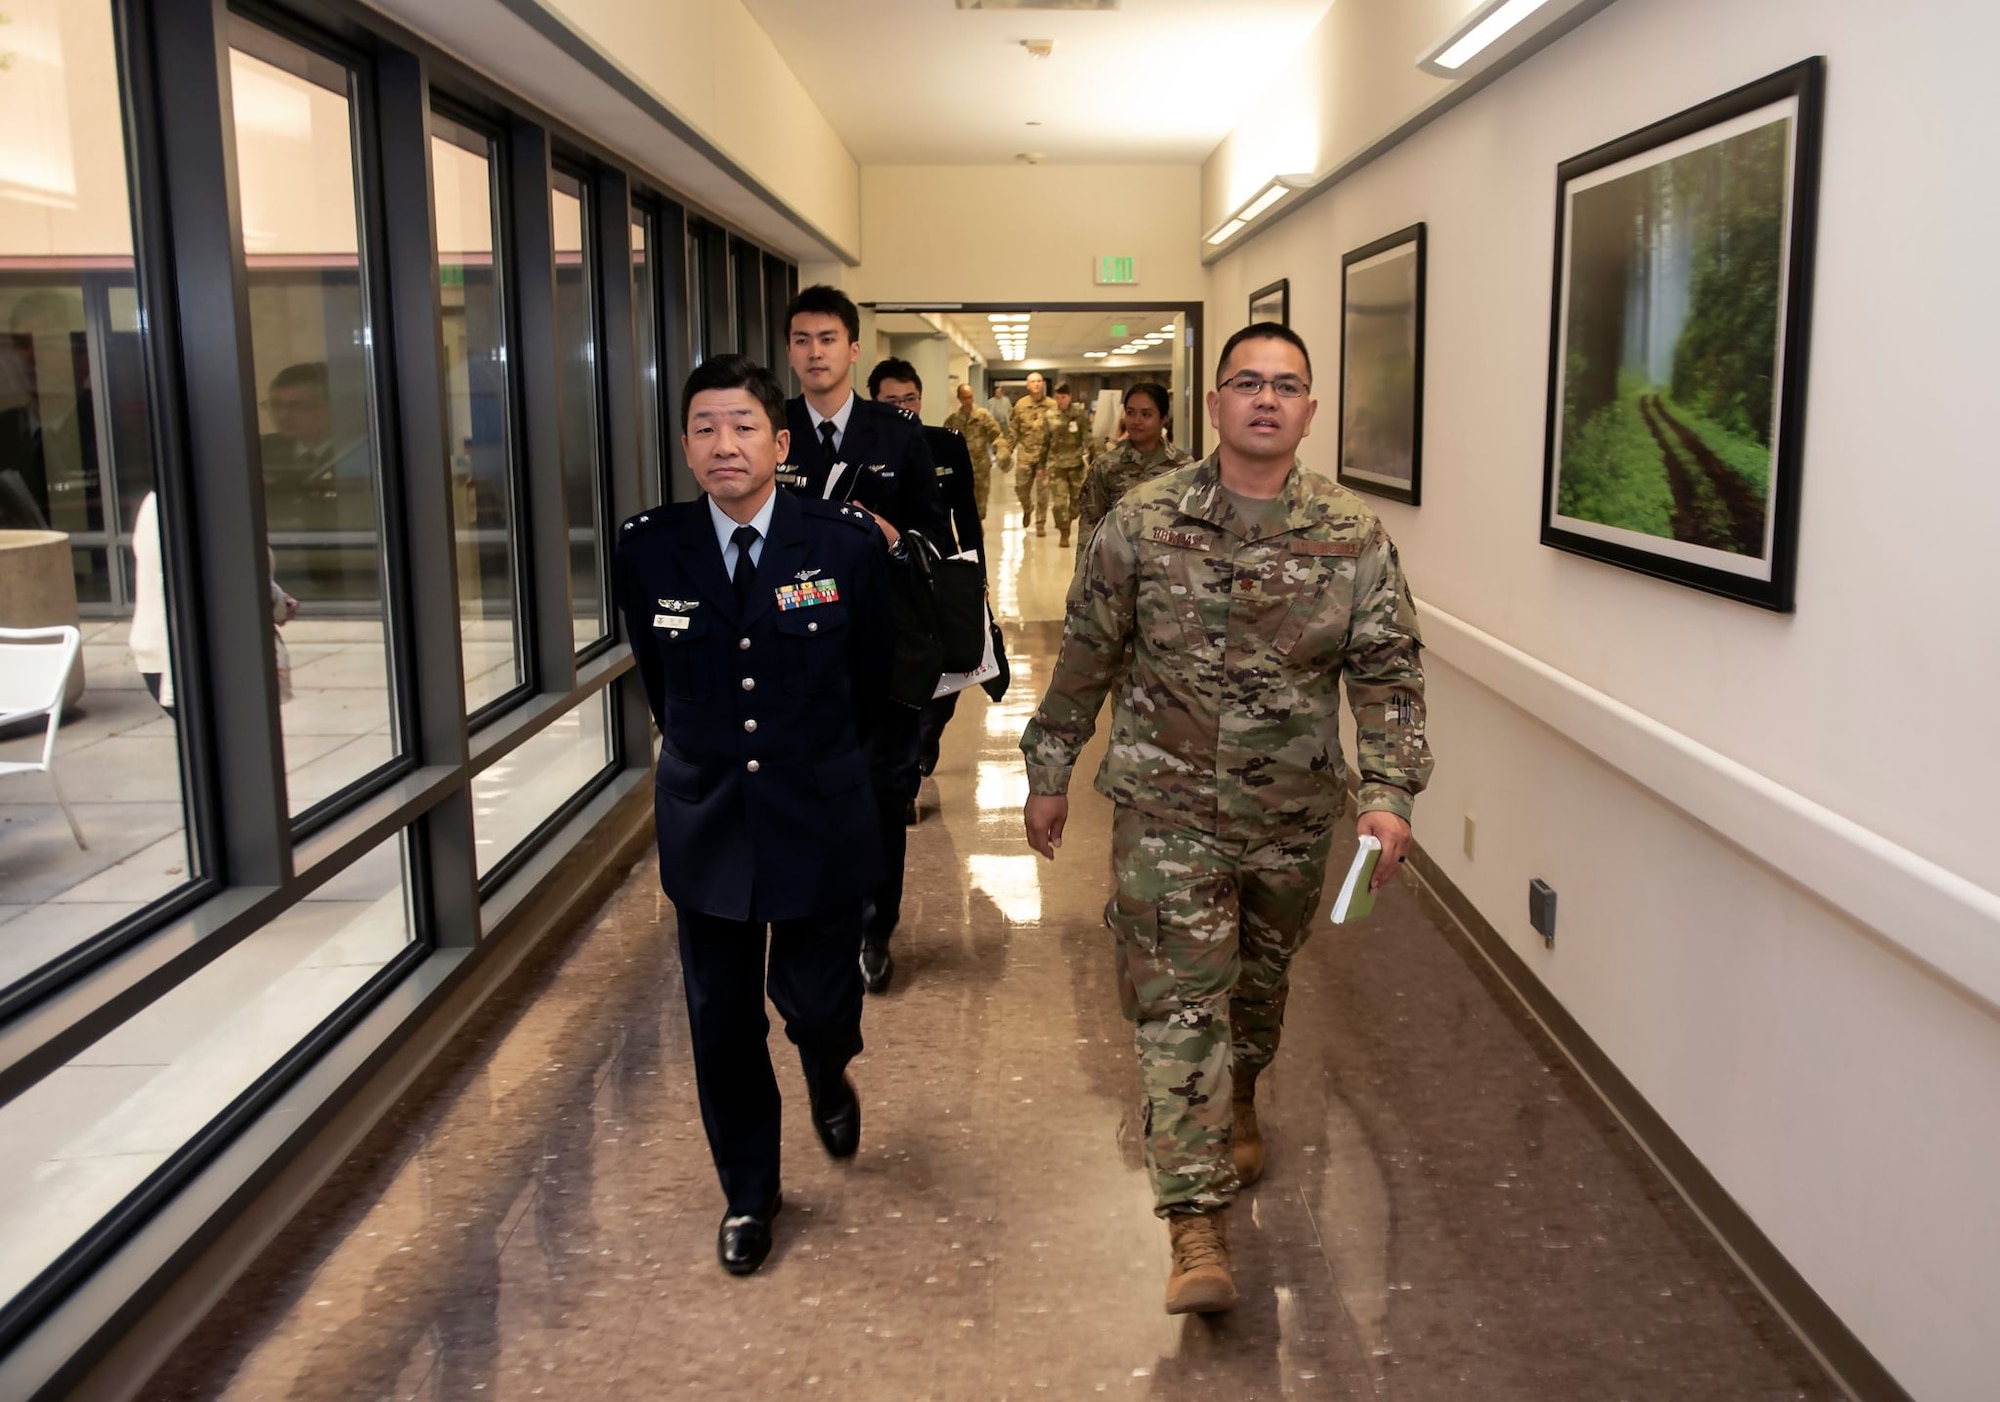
1144, 455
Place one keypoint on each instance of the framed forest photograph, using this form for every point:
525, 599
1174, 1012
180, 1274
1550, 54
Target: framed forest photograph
1272, 303
1677, 361
1382, 367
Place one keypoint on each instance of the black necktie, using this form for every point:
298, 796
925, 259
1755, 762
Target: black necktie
826, 431
746, 568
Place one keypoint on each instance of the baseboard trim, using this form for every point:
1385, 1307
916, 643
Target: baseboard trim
1845, 1358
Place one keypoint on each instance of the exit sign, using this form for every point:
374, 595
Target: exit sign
1115, 269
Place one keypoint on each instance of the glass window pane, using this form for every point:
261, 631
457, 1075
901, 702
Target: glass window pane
310, 340
516, 794
576, 344
645, 331
75, 418
88, 1133
482, 480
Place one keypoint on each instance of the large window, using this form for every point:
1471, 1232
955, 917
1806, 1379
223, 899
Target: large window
91, 1132
653, 469
311, 341
514, 797
79, 517
470, 277
582, 452
265, 435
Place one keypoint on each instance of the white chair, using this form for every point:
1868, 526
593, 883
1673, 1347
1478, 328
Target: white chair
35, 665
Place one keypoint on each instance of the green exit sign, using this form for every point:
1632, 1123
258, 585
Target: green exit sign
1116, 269
1118, 329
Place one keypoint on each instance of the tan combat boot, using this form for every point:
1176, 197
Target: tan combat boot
1200, 1282
1246, 1140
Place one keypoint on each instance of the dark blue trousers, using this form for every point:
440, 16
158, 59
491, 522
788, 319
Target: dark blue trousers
814, 981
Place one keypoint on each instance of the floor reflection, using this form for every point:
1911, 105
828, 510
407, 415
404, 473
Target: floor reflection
1447, 1212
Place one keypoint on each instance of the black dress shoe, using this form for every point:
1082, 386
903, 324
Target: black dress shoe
877, 968
836, 1115
910, 814
745, 1239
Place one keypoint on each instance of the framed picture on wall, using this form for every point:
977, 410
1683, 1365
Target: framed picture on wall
1382, 367
1273, 303
1677, 352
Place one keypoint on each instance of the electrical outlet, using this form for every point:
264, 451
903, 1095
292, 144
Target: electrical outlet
1471, 826
1542, 909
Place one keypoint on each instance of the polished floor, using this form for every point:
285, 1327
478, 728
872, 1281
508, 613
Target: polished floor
1448, 1213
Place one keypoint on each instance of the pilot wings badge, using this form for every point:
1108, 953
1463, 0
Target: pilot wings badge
803, 575
679, 605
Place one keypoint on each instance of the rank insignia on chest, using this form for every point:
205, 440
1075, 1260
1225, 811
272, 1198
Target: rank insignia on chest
1325, 547
1186, 540
788, 477
809, 594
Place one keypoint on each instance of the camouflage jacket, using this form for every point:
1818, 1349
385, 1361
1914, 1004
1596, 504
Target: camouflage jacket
979, 429
1069, 437
1116, 473
1028, 432
1228, 718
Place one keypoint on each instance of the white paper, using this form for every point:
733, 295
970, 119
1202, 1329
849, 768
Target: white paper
986, 671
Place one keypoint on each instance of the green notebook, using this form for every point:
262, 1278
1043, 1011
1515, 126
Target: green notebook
1355, 899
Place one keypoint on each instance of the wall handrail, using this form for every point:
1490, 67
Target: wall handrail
1943, 921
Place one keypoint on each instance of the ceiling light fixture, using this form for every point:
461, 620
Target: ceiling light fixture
1474, 34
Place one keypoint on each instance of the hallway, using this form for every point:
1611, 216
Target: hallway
1449, 1210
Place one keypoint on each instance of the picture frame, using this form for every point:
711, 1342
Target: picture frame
1382, 289
1272, 302
1678, 339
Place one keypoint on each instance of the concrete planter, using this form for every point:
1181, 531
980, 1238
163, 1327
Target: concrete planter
38, 589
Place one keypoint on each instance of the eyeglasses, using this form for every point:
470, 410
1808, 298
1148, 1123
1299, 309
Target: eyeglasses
911, 402
1284, 386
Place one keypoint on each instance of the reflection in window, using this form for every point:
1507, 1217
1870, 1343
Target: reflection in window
518, 793
309, 339
475, 348
576, 344
653, 473
88, 1133
76, 457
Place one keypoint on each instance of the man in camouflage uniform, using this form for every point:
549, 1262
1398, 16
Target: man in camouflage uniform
981, 431
1028, 437
1226, 600
1068, 458
1145, 454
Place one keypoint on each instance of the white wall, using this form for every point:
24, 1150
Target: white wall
1834, 1076
1025, 233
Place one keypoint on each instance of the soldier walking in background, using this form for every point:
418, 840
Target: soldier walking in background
1239, 591
1028, 433
1068, 458
1144, 455
981, 432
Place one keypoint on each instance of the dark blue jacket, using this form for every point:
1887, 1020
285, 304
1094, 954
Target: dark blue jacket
885, 466
761, 796
957, 490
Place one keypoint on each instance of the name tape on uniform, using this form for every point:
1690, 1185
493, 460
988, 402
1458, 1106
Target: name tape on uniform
1326, 547
1186, 540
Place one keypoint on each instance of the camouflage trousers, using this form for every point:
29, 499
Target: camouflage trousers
1206, 933
1065, 487
982, 479
1031, 488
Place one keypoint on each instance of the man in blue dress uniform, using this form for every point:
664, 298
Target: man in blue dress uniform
762, 629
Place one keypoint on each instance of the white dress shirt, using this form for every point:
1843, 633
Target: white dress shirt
725, 528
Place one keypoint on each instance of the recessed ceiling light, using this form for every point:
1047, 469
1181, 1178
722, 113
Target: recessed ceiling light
1095, 355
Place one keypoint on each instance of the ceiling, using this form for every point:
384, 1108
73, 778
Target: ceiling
1053, 337
1152, 80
